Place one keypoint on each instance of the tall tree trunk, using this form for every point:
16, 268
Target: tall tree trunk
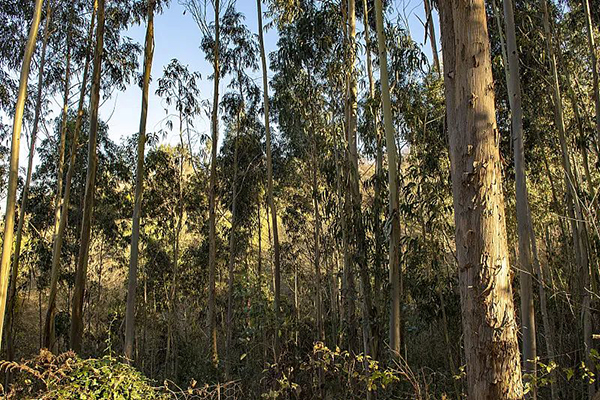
377, 200
573, 205
212, 257
62, 145
139, 189
594, 59
432, 38
360, 249
525, 257
13, 175
317, 233
270, 199
49, 331
90, 186
12, 298
393, 213
232, 234
489, 327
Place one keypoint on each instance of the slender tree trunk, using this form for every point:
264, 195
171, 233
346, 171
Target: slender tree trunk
377, 201
594, 59
270, 199
358, 226
525, 257
489, 326
13, 176
12, 295
317, 236
90, 185
573, 206
139, 189
212, 258
62, 146
232, 234
432, 37
63, 142
259, 261
548, 330
49, 331
393, 213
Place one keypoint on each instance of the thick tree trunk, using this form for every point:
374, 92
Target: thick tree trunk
270, 199
212, 258
393, 213
90, 186
489, 327
139, 189
49, 332
525, 256
12, 295
13, 175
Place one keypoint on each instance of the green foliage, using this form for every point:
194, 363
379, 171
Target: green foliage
67, 376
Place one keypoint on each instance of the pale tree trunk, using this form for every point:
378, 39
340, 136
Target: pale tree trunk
270, 199
12, 299
360, 248
212, 257
432, 37
377, 201
139, 189
573, 205
13, 175
525, 256
259, 255
317, 227
393, 213
62, 143
489, 326
232, 234
49, 328
594, 59
62, 146
90, 186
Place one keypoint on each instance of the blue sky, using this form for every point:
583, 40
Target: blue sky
177, 36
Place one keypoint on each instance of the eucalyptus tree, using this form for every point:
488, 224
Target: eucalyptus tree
393, 212
150, 6
25, 194
11, 199
179, 88
238, 58
270, 197
212, 46
525, 259
302, 65
49, 328
573, 204
115, 58
489, 326
83, 258
358, 228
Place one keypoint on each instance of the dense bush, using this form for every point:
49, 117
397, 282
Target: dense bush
69, 377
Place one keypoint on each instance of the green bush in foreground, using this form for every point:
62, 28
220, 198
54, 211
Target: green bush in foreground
67, 376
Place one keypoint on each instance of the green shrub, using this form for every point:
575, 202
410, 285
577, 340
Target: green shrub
50, 377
